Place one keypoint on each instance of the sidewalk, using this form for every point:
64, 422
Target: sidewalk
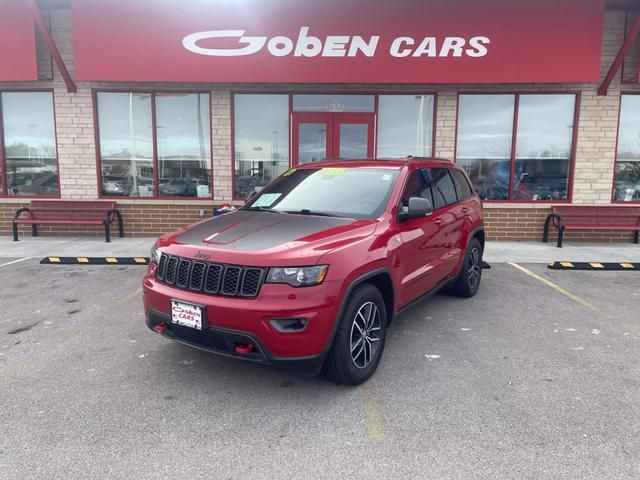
75, 247
495, 252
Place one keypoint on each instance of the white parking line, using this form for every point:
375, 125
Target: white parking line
14, 261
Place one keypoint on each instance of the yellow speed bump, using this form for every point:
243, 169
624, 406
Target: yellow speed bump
95, 261
601, 266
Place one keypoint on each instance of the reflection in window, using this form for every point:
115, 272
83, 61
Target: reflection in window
462, 185
182, 135
183, 147
29, 144
126, 143
405, 125
312, 142
354, 138
626, 185
485, 127
444, 191
261, 128
543, 147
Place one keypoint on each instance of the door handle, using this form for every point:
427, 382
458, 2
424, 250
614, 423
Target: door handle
437, 221
465, 209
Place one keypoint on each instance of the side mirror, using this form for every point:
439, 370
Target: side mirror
418, 207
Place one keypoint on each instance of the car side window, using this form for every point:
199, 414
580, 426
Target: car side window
418, 185
444, 191
462, 185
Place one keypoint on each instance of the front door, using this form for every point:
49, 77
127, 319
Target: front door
331, 136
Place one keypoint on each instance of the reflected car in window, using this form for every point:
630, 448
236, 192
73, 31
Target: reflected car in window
178, 187
117, 185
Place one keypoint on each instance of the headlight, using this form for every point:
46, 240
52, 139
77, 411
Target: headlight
154, 257
298, 276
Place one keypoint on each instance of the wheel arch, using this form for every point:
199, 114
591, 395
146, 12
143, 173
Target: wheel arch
379, 278
479, 234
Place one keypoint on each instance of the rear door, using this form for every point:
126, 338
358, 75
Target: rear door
448, 216
419, 250
471, 206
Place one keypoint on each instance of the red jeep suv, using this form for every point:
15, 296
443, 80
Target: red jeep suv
311, 271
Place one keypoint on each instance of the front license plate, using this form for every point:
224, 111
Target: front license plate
186, 314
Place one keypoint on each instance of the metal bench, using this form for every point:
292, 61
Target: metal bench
59, 212
601, 217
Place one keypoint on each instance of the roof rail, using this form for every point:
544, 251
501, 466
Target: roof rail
431, 159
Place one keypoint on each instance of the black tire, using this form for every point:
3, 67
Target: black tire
345, 363
467, 282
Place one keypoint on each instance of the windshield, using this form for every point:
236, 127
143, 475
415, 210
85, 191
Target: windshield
358, 192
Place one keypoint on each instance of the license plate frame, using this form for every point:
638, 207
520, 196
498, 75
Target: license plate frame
196, 324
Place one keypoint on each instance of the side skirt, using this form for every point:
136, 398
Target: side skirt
425, 296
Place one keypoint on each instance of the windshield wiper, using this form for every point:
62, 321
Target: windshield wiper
306, 211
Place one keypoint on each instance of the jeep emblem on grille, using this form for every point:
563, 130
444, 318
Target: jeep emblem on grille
202, 255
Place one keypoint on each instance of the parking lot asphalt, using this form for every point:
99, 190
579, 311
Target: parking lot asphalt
527, 380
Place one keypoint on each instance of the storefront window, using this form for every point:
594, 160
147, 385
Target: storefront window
29, 159
405, 125
626, 186
539, 169
182, 167
485, 128
184, 155
543, 147
126, 143
261, 129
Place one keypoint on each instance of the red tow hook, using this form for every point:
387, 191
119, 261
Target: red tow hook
244, 348
160, 328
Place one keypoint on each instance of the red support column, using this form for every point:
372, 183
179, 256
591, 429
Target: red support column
617, 62
51, 46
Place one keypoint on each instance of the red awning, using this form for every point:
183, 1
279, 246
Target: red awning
17, 42
337, 41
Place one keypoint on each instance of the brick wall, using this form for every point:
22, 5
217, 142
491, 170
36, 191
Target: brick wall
139, 220
149, 219
594, 160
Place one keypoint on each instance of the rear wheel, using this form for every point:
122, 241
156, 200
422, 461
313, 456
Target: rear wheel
467, 282
360, 338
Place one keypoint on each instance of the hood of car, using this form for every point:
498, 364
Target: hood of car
262, 237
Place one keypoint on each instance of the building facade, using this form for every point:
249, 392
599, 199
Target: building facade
169, 151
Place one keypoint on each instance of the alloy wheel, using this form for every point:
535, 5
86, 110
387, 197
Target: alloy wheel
474, 268
365, 335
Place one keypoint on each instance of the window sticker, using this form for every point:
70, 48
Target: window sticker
288, 172
266, 200
332, 172
386, 177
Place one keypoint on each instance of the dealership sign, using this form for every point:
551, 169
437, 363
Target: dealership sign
333, 46
338, 41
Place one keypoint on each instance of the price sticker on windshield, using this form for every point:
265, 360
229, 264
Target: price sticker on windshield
332, 172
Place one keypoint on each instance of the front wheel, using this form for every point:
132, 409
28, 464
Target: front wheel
360, 338
467, 282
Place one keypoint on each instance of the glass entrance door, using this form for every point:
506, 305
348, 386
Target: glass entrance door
352, 136
331, 136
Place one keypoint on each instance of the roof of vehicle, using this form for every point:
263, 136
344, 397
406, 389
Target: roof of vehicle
381, 163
